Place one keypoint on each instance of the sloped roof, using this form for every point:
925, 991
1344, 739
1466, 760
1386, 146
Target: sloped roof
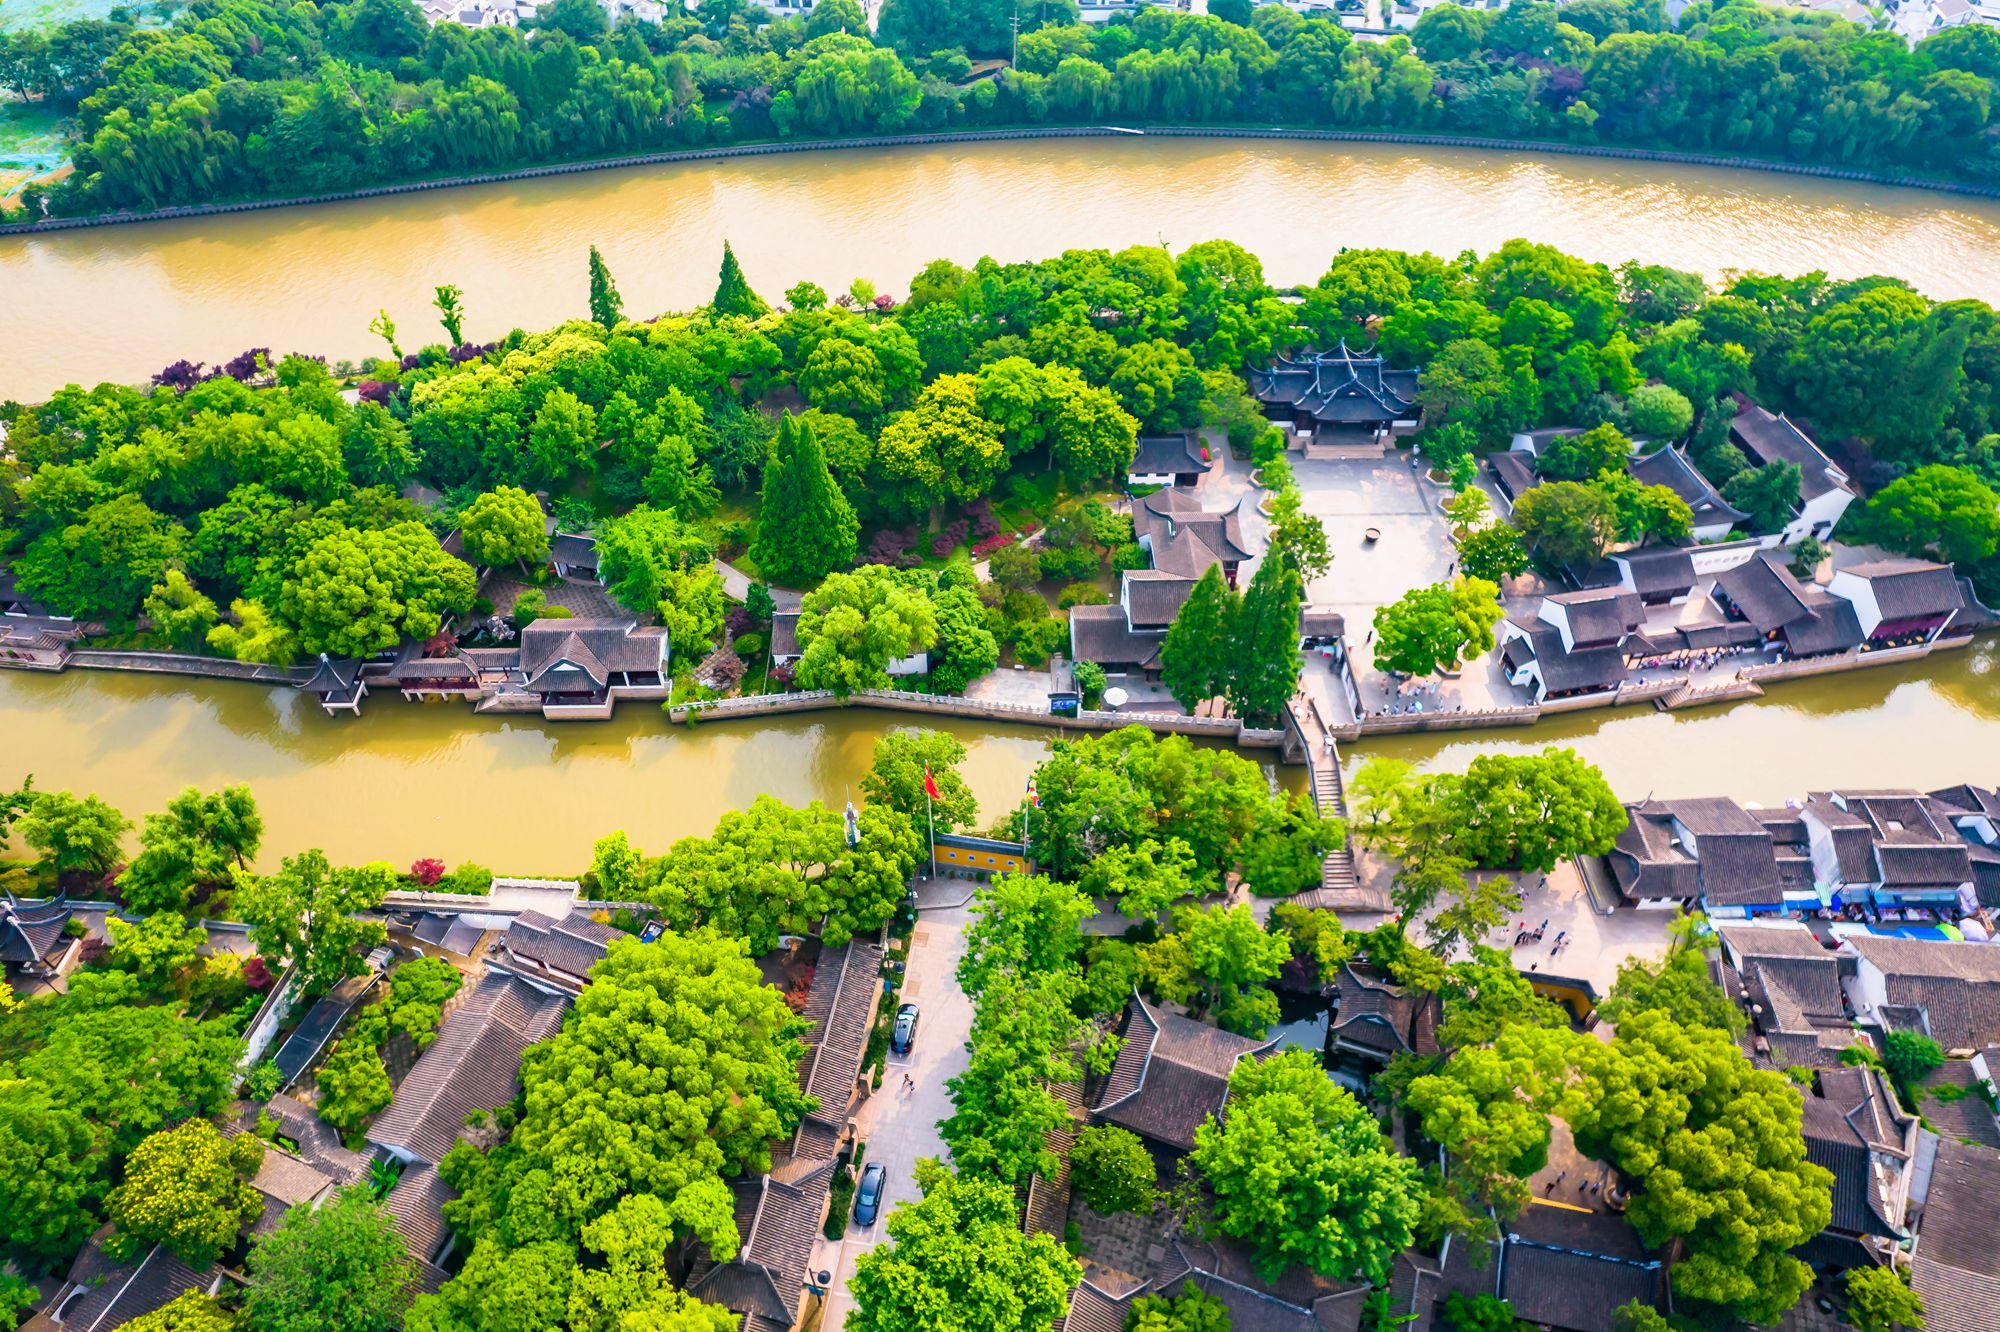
1670, 468
1957, 1263
417, 1203
1772, 439
569, 947
1956, 985
474, 1064
1100, 634
1370, 1011
1658, 569
777, 1218
334, 678
1910, 589
598, 648
1600, 614
573, 549
1338, 385
1153, 598
1171, 1074
1766, 593
31, 931
318, 1144
840, 1006
1155, 455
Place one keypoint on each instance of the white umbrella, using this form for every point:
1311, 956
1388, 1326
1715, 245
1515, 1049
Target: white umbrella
1115, 697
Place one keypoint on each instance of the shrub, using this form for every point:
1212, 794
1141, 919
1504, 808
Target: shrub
953, 536
263, 1082
468, 879
1090, 680
1069, 563
895, 547
988, 545
749, 645
1016, 566
739, 621
984, 524
1131, 555
842, 1201
427, 871
1083, 594
530, 606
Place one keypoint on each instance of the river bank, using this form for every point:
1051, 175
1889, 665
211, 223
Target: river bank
766, 148
416, 780
310, 279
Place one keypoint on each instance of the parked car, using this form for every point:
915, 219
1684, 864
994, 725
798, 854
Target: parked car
868, 1198
904, 1034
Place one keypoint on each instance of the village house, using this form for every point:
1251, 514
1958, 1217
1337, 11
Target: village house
1856, 1129
1344, 400
1514, 474
1170, 1075
36, 941
1889, 848
1949, 991
1574, 643
1708, 854
1183, 541
1899, 602
1789, 986
574, 555
1374, 1020
1824, 489
1956, 1265
555, 954
1168, 460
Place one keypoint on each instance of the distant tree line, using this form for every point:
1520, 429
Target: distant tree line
241, 98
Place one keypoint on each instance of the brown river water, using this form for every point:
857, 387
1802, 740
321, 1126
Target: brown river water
528, 796
120, 302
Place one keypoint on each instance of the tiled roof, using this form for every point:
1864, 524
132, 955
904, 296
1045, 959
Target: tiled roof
1658, 569
596, 648
1957, 985
318, 1144
569, 947
777, 1220
32, 931
1156, 455
1957, 1264
1373, 1013
1910, 589
1600, 614
1766, 594
1564, 671
1963, 1112
1171, 1074
474, 1064
1339, 385
417, 1203
320, 1022
1772, 439
840, 1006
573, 550
1100, 634
1670, 468
1153, 598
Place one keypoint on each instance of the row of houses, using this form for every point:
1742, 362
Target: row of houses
1887, 850
1825, 490
1650, 612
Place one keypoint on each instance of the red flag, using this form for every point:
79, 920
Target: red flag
930, 784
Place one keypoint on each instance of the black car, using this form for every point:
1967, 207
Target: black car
868, 1197
904, 1034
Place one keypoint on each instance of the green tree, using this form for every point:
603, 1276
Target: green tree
1437, 627
1298, 535
451, 313
1218, 958
607, 307
1025, 1038
943, 448
1657, 411
675, 1070
156, 948
342, 1264
304, 915
1938, 508
732, 290
1715, 1149
1022, 924
1189, 1311
1196, 658
187, 1188
1112, 1171
355, 593
190, 1311
896, 777
1301, 1173
694, 609
1566, 523
1768, 494
639, 552
1909, 1056
417, 994
854, 626
73, 833
1479, 1313
1879, 1299
959, 1259
353, 1082
1678, 984
563, 439
1264, 660
1581, 457
194, 843
1530, 811
806, 528
179, 612
1145, 879
505, 524
626, 1284
1492, 552
101, 566
51, 1171
257, 635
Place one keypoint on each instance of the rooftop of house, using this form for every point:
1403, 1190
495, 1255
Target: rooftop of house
1952, 1100
556, 651
1765, 593
1338, 385
564, 950
840, 1005
1170, 1074
1909, 589
1103, 634
32, 932
1956, 1267
1952, 990
1573, 1268
1657, 569
1373, 1013
1669, 467
1563, 671
1157, 455
575, 550
777, 1218
1597, 614
474, 1064
1768, 439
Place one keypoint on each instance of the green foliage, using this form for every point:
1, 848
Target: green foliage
1437, 627
194, 843
1478, 1313
1111, 1170
896, 777
1879, 1299
960, 1259
73, 833
1909, 1056
505, 525
1948, 510
1189, 1311
1581, 457
353, 1082
1566, 523
1658, 411
1678, 984
1493, 552
639, 552
179, 612
1090, 680
732, 290
854, 626
303, 915
358, 592
1264, 662
190, 1311
187, 1188
156, 948
607, 307
1301, 1173
1196, 659
341, 1264
1768, 494
806, 528
1530, 811
1216, 958
417, 994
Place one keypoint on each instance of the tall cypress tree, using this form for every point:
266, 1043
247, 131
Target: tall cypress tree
1264, 660
732, 293
806, 529
1195, 659
607, 307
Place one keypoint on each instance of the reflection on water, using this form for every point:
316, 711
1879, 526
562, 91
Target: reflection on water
406, 780
119, 302
1925, 725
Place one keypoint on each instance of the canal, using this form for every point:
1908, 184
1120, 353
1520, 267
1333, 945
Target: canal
529, 797
120, 302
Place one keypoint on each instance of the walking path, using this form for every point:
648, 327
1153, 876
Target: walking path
900, 1126
736, 584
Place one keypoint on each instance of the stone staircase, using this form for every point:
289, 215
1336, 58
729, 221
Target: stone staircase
1337, 873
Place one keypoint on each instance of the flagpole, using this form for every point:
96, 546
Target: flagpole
930, 816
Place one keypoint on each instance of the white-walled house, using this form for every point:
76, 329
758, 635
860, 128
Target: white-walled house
1900, 598
1824, 489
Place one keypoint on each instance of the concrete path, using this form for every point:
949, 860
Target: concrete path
736, 584
900, 1127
